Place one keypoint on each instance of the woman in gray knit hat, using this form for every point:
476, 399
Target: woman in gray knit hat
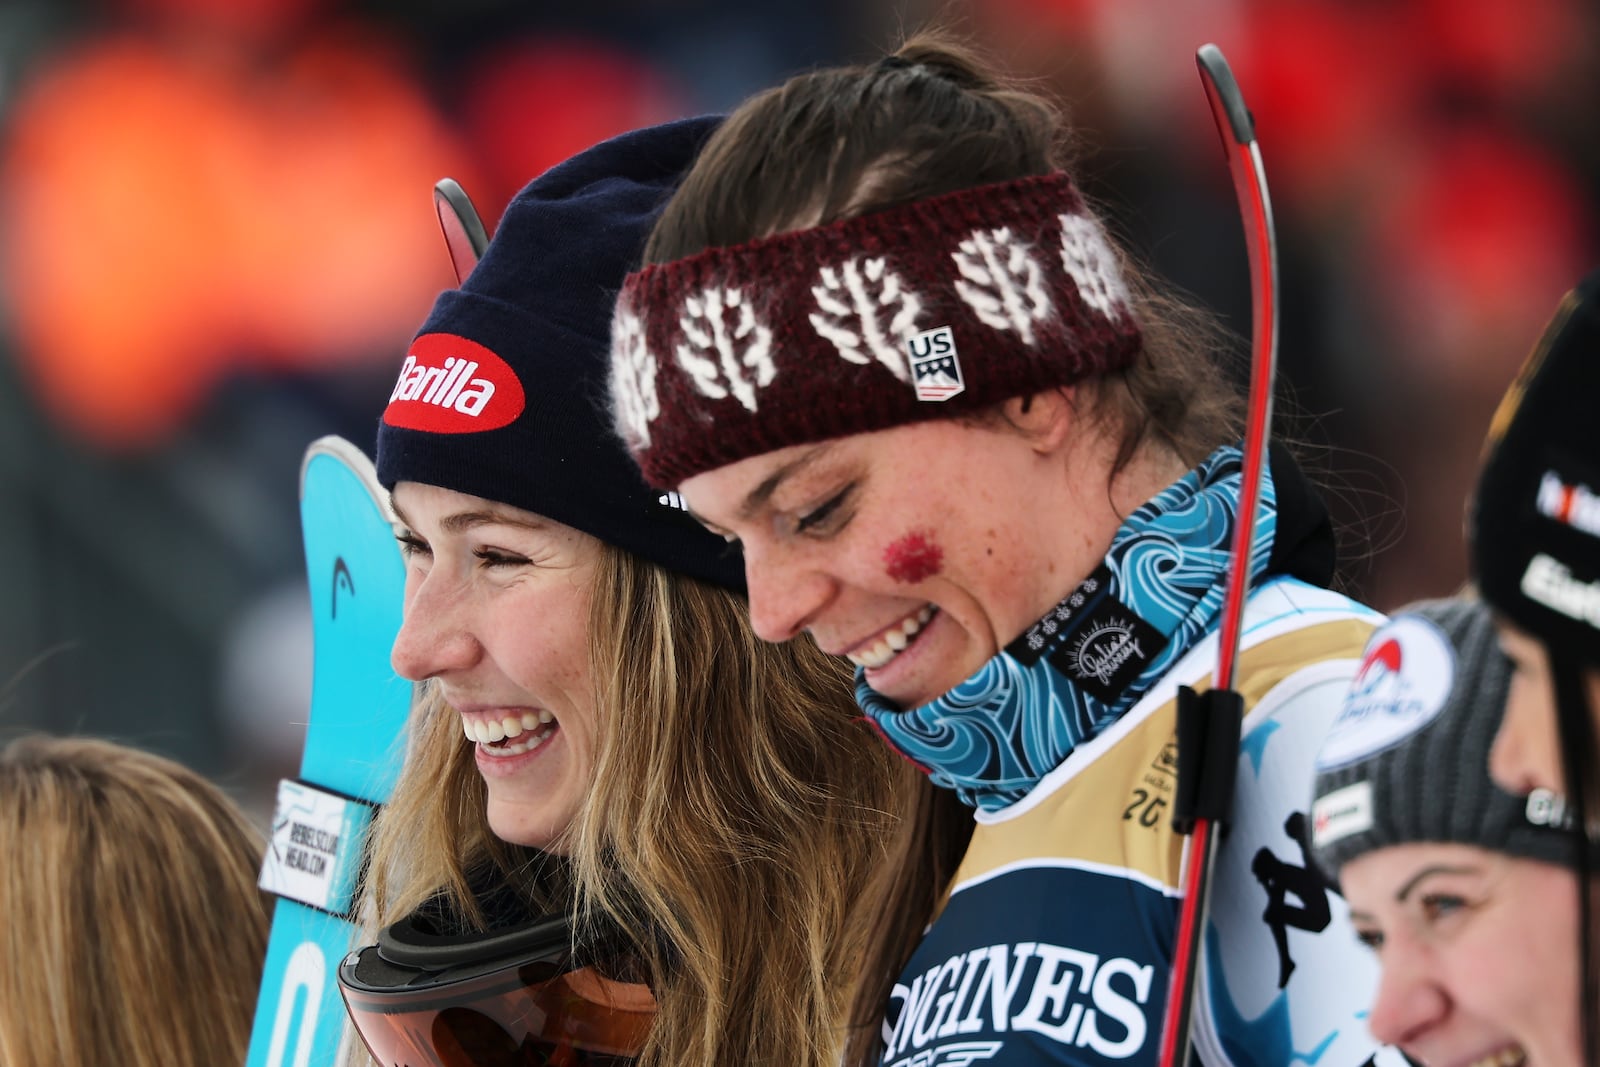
1464, 891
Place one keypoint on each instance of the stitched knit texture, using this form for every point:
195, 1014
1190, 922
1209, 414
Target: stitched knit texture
930, 310
1535, 519
1407, 759
503, 393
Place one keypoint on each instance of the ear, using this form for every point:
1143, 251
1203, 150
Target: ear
1046, 418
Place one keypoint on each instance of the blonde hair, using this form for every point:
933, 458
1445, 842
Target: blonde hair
131, 928
739, 817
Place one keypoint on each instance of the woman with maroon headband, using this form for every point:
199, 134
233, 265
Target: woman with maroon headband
883, 343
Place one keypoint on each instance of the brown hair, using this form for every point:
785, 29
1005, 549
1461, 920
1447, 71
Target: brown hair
131, 928
739, 814
932, 119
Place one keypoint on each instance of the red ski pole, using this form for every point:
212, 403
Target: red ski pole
1209, 723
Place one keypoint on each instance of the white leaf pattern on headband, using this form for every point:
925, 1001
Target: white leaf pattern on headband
1090, 262
633, 380
716, 357
852, 304
1002, 281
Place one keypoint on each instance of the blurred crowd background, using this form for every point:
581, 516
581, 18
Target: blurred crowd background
216, 240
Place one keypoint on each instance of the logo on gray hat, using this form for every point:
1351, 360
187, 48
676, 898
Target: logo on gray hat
1405, 676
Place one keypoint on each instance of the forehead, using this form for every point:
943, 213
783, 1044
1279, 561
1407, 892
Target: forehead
914, 452
748, 485
1372, 879
419, 503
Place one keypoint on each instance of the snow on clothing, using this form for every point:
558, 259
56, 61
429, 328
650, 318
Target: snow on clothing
1055, 943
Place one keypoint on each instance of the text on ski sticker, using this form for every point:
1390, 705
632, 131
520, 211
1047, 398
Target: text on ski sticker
315, 851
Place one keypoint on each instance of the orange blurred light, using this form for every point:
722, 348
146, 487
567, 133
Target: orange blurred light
166, 217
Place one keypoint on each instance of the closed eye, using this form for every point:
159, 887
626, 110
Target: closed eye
412, 545
816, 519
493, 557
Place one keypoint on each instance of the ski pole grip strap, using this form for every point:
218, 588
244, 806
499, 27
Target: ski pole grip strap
1208, 755
318, 842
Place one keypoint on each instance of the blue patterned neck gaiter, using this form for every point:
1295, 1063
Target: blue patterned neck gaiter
1076, 670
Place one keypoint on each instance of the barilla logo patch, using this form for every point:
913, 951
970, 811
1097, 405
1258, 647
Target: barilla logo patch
449, 384
1575, 505
935, 367
1548, 581
1341, 813
1404, 679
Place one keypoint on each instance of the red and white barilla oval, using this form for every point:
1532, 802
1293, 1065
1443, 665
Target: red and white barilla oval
449, 384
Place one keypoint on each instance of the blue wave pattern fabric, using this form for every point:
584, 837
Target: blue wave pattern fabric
1085, 663
1054, 945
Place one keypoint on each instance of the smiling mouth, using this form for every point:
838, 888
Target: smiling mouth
892, 641
512, 735
1510, 1056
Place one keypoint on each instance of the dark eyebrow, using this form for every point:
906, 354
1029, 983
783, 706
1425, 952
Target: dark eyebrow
757, 498
461, 521
1428, 872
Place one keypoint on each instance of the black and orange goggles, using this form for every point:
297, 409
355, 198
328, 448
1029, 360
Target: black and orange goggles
511, 998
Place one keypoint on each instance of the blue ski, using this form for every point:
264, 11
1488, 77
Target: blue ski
353, 751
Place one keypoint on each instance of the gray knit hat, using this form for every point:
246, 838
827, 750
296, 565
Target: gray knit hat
1407, 758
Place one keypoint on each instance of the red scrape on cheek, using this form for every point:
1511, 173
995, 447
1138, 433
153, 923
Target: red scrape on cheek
913, 558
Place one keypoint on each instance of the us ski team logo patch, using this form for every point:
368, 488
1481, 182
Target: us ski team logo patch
935, 367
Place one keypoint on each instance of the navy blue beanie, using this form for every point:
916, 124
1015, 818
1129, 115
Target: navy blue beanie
1534, 530
503, 392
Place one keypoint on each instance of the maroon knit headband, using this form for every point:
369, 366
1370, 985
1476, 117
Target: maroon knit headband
931, 310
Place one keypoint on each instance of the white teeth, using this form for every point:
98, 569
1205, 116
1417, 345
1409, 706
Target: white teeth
893, 641
531, 741
488, 731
